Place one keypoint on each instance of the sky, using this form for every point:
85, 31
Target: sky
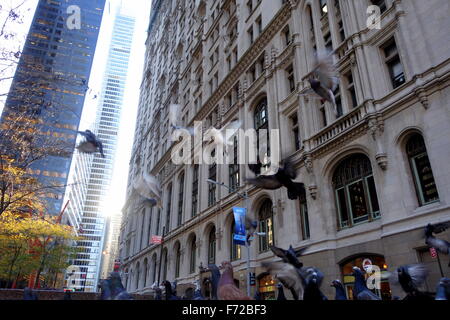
140, 9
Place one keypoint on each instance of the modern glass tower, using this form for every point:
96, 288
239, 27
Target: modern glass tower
50, 83
101, 170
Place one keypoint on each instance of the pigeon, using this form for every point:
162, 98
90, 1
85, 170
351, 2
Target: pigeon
224, 136
29, 294
360, 290
157, 290
91, 144
227, 290
440, 245
198, 291
169, 291
283, 178
174, 119
324, 79
410, 278
280, 296
313, 279
215, 278
146, 192
117, 289
290, 255
105, 290
340, 290
287, 275
443, 289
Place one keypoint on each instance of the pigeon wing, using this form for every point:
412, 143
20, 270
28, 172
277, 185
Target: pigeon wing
418, 273
326, 72
440, 227
265, 182
287, 275
289, 169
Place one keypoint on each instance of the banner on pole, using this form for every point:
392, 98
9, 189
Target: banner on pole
239, 236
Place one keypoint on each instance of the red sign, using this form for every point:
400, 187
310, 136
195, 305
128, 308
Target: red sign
433, 253
157, 239
117, 265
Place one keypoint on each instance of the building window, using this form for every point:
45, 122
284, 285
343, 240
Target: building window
158, 221
295, 131
169, 202
193, 260
351, 89
290, 78
266, 226
234, 167
138, 270
338, 101
177, 261
164, 275
323, 115
341, 30
421, 170
250, 7
287, 35
323, 7
328, 42
355, 192
235, 248
259, 25
195, 190
212, 246
154, 268
311, 29
250, 35
381, 4
304, 217
266, 287
393, 63
180, 200
212, 174
261, 119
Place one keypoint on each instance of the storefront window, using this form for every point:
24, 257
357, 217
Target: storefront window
267, 287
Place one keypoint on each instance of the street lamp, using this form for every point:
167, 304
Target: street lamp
248, 235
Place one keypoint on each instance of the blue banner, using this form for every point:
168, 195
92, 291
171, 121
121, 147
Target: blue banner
239, 236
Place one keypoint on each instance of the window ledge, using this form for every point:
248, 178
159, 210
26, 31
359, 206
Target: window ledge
428, 208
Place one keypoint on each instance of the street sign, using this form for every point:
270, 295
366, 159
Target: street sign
433, 253
252, 278
239, 236
157, 239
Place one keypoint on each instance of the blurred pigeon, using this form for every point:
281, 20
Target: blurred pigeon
313, 279
443, 289
198, 291
410, 278
91, 144
289, 256
105, 289
157, 290
324, 79
360, 290
288, 275
29, 294
283, 178
340, 290
117, 289
227, 290
215, 278
440, 245
169, 292
174, 118
280, 295
146, 192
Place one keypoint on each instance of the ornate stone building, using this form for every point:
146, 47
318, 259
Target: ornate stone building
375, 174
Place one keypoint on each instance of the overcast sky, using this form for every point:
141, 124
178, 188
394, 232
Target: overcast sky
140, 9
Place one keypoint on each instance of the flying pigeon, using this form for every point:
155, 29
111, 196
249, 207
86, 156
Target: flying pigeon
324, 79
283, 178
410, 278
289, 256
360, 290
443, 289
146, 192
340, 290
287, 275
174, 119
117, 289
227, 290
91, 144
440, 245
313, 279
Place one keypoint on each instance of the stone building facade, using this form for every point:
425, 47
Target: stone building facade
375, 174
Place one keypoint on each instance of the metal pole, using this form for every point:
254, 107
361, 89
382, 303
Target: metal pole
247, 245
439, 263
160, 255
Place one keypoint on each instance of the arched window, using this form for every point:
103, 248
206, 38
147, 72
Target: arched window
177, 260
235, 248
193, 261
261, 119
304, 219
212, 246
195, 177
165, 260
266, 225
180, 199
421, 170
154, 268
169, 202
145, 271
138, 270
355, 192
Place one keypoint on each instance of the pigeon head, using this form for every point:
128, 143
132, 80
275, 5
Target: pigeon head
336, 283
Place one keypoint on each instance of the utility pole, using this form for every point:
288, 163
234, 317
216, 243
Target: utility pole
160, 255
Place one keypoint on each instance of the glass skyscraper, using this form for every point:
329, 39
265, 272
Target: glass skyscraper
94, 222
50, 84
